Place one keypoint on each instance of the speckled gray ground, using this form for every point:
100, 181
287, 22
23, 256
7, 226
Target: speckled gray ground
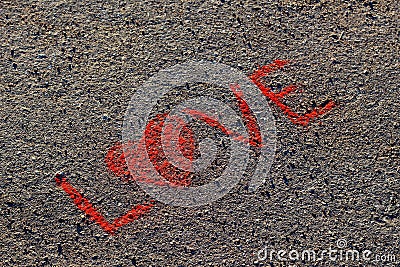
68, 70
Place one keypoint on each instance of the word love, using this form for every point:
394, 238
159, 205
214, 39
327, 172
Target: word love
125, 160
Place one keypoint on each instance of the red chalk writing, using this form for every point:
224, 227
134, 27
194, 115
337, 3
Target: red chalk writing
84, 205
121, 158
278, 97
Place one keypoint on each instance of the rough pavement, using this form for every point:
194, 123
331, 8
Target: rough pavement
69, 68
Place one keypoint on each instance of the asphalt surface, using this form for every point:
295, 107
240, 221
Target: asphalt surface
69, 68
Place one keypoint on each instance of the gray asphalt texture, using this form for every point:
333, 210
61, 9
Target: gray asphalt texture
69, 68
